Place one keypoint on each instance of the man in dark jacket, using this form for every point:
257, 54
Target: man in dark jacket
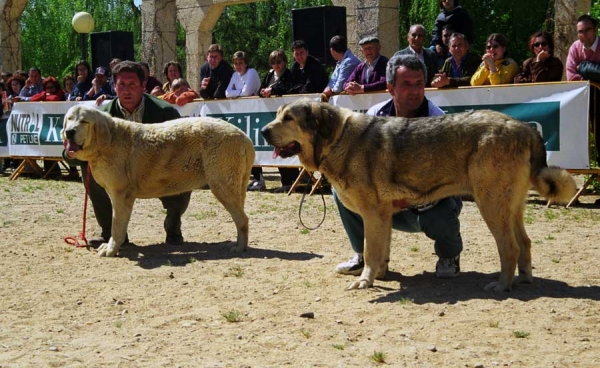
215, 74
460, 66
134, 105
308, 75
416, 39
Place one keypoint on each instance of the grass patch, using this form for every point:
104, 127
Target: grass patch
414, 248
550, 237
205, 215
555, 260
520, 334
234, 271
378, 357
529, 217
550, 215
305, 333
494, 324
339, 346
232, 316
405, 301
304, 231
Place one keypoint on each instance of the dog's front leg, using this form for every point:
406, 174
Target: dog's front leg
122, 207
378, 232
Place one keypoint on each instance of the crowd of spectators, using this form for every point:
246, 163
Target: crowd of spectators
449, 61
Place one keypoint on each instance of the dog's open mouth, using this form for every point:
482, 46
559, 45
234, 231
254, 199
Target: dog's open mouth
290, 150
71, 147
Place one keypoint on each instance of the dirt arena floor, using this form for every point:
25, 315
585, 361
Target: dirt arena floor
280, 304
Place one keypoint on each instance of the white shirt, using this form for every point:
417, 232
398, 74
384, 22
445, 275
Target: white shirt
243, 85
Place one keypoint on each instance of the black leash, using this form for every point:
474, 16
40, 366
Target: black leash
306, 189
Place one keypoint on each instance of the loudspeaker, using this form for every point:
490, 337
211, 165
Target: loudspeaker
110, 45
316, 25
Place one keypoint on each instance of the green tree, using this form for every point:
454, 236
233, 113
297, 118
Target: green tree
48, 40
259, 28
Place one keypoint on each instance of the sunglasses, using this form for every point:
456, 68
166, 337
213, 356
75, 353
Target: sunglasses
492, 46
538, 44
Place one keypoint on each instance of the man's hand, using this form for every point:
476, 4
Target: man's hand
328, 92
440, 80
353, 88
100, 99
204, 83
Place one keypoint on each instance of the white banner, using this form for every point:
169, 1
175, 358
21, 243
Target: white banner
558, 110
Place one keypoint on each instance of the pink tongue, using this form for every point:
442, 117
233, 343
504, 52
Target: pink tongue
276, 152
72, 147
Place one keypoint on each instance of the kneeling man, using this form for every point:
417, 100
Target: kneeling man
406, 77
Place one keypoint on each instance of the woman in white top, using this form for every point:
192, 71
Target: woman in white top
245, 81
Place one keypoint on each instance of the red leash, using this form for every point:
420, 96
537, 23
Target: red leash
70, 239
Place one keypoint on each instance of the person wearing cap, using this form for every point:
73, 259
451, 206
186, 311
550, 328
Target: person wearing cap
368, 76
100, 90
346, 62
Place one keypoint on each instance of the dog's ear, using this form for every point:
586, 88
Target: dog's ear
102, 126
325, 117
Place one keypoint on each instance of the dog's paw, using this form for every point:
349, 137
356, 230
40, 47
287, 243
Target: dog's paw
496, 286
105, 250
238, 249
358, 284
523, 279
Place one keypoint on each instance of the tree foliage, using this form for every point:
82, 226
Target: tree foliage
259, 28
516, 19
48, 40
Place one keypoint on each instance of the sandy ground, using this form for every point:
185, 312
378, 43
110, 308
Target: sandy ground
198, 305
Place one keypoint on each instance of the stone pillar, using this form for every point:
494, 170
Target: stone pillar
198, 18
159, 33
10, 34
565, 18
372, 18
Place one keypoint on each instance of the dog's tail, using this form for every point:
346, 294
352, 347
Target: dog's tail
552, 182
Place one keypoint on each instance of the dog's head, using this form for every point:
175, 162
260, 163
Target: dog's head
305, 128
85, 131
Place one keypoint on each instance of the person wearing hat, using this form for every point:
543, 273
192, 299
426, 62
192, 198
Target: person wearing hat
368, 76
100, 90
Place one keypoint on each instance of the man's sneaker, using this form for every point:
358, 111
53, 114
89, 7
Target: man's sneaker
447, 268
352, 267
257, 186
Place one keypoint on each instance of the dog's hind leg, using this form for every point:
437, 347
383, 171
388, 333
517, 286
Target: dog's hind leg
525, 269
233, 196
495, 205
122, 207
378, 232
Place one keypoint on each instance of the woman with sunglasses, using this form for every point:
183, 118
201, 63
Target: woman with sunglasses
543, 66
497, 67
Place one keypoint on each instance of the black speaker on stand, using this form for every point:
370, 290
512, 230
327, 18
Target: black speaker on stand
316, 25
110, 45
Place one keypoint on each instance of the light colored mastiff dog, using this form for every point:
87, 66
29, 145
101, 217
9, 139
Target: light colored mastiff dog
380, 165
132, 160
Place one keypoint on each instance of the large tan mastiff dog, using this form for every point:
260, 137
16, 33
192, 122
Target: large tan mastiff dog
380, 165
132, 160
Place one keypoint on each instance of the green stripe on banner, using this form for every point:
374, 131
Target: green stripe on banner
543, 116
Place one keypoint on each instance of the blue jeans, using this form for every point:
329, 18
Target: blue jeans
439, 224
